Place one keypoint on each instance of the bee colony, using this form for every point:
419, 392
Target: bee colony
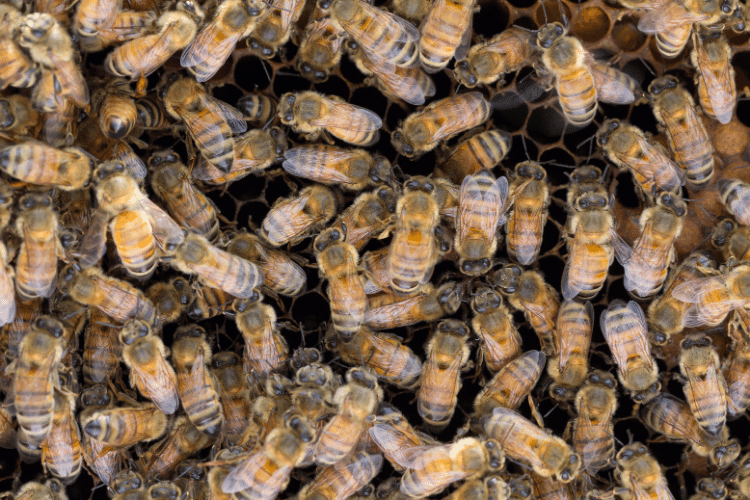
293, 249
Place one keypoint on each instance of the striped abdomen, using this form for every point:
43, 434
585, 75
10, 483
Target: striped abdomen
200, 216
16, 69
593, 439
735, 195
136, 246
586, 269
501, 342
36, 266
379, 33
200, 400
117, 116
736, 371
574, 332
443, 31
338, 437
101, 349
213, 136
510, 386
126, 426
525, 224
34, 401
61, 454
127, 60
691, 145
671, 42
283, 275
577, 96
436, 402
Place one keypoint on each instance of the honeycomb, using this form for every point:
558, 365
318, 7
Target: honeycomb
539, 132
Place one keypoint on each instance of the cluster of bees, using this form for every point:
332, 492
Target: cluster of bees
156, 343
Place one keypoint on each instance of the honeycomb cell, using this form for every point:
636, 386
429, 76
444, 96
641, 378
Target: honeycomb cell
592, 24
335, 85
741, 64
546, 125
511, 112
626, 35
251, 74
493, 17
521, 150
549, 12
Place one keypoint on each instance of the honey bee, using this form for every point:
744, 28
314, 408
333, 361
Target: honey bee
593, 430
7, 290
282, 274
117, 299
217, 473
411, 10
447, 352
736, 372
624, 328
264, 474
17, 69
101, 350
423, 130
104, 149
705, 389
486, 62
6, 202
410, 84
235, 394
52, 489
493, 324
164, 457
627, 147
431, 469
672, 417
265, 348
414, 252
258, 109
314, 391
445, 32
170, 299
61, 453
320, 49
569, 368
393, 434
385, 310
17, 116
274, 27
525, 222
209, 121
354, 169
734, 195
528, 292
740, 482
713, 297
511, 384
674, 108
711, 58
375, 30
256, 151
217, 268
188, 206
338, 262
368, 215
672, 22
50, 46
209, 302
138, 58
116, 109
548, 455
641, 474
101, 459
710, 488
355, 401
195, 383
480, 213
342, 479
212, 46
36, 266
732, 239
291, 219
34, 162
150, 115
123, 427
8, 435
316, 115
666, 314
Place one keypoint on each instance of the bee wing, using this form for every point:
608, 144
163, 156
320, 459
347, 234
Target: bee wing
474, 199
694, 290
613, 330
608, 88
124, 153
150, 60
358, 472
623, 251
702, 388
461, 114
341, 116
688, 128
668, 16
240, 477
463, 47
167, 232
231, 115
7, 296
442, 380
566, 344
91, 248
210, 48
296, 163
716, 83
71, 79
160, 383
646, 163
390, 441
569, 288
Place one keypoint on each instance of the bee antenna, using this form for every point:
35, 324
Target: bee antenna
525, 29
265, 69
456, 92
615, 438
590, 139
604, 174
586, 477
551, 410
630, 436
269, 121
648, 66
302, 333
525, 149
518, 463
544, 9
562, 12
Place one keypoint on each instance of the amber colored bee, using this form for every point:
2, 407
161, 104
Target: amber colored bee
641, 474
320, 49
264, 474
705, 388
624, 328
354, 401
734, 195
342, 479
163, 458
377, 31
385, 310
210, 122
445, 32
525, 222
393, 434
291, 219
593, 430
17, 69
6, 202
732, 239
741, 482
256, 151
265, 348
411, 10
274, 27
116, 109
36, 265
674, 108
59, 127
188, 205
410, 84
354, 169
196, 385
235, 394
568, 370
104, 149
258, 109
217, 473
666, 314
368, 216
217, 268
493, 324
528, 292
212, 46
672, 21
36, 163
18, 119
316, 115
672, 417
93, 22
61, 453
423, 130
126, 426
511, 384
52, 489
312, 397
713, 297
546, 488
628, 147
447, 353
101, 459
50, 45
736, 372
19, 316
480, 213
711, 58
482, 151
150, 115
173, 31
101, 350
486, 62
209, 302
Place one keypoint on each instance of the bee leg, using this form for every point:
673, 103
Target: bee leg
140, 87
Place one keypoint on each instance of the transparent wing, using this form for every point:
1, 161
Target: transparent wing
210, 48
461, 109
167, 232
91, 248
566, 344
7, 296
233, 117
668, 16
297, 163
612, 85
347, 118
